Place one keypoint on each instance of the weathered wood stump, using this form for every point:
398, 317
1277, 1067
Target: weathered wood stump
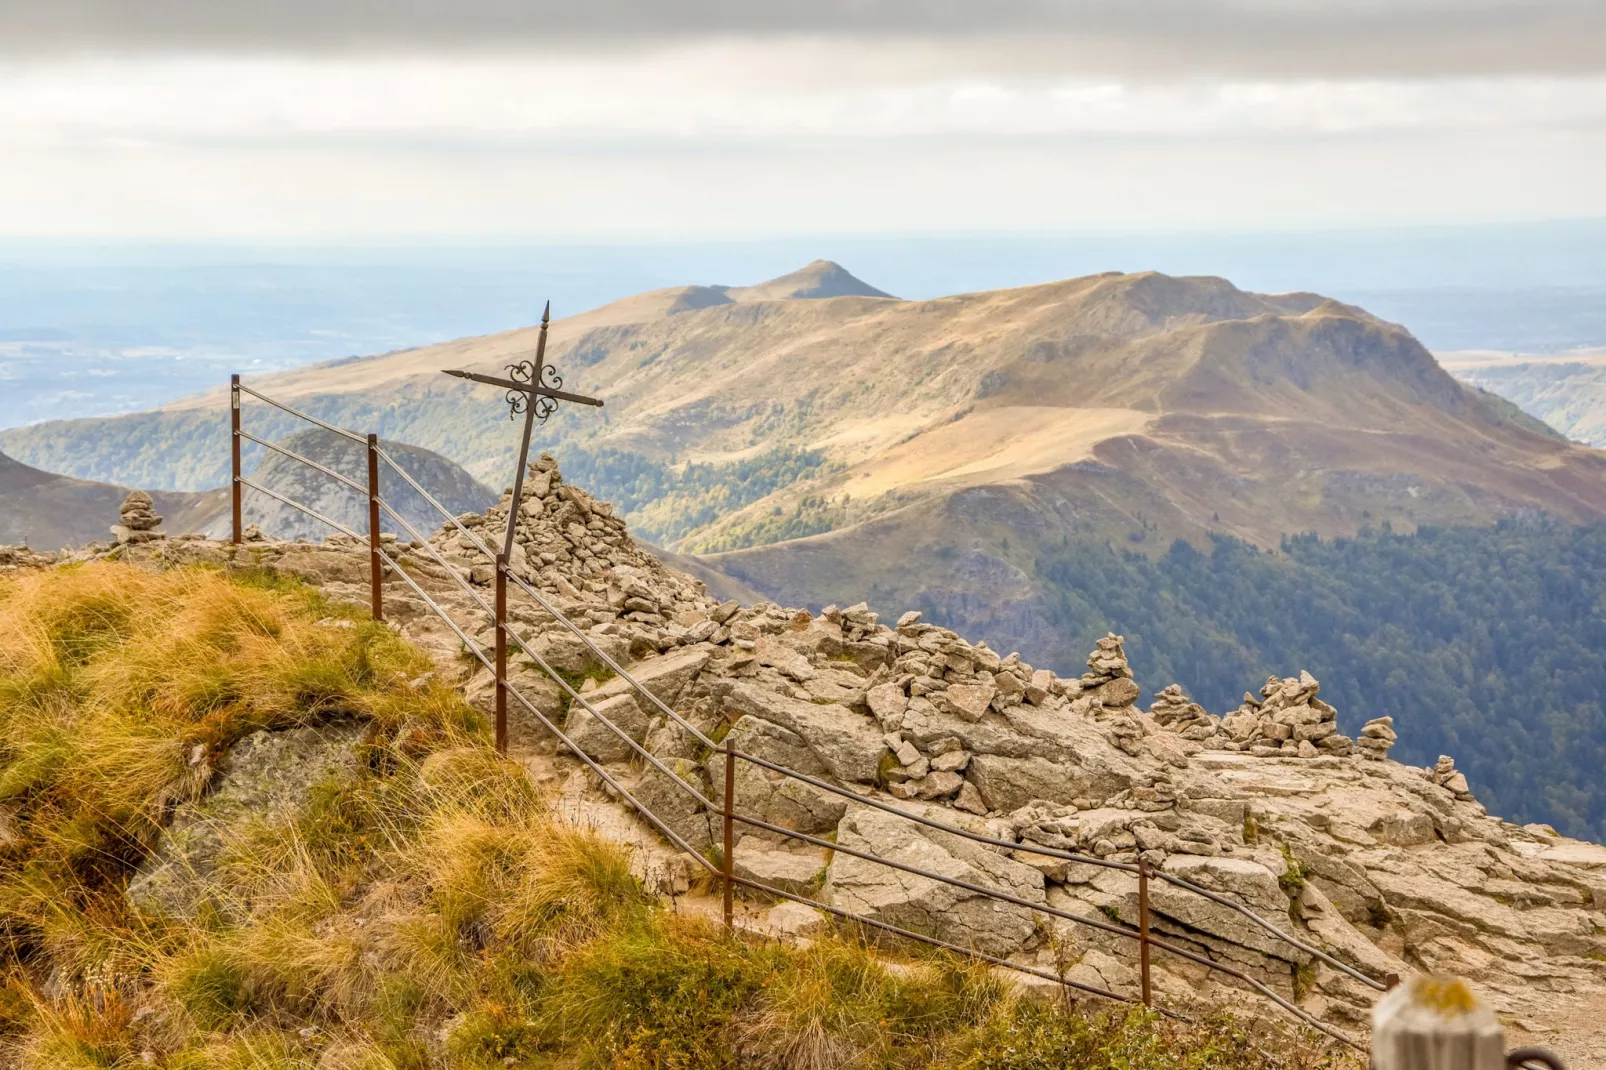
1437, 1023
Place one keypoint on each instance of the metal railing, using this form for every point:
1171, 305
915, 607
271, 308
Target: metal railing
725, 811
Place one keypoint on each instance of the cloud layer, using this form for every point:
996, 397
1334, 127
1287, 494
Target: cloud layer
1164, 38
634, 118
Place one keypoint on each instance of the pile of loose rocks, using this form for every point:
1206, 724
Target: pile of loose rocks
1287, 720
1176, 712
137, 520
575, 550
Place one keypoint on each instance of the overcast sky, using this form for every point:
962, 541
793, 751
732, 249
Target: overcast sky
629, 119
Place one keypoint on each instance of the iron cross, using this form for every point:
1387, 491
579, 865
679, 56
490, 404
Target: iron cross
533, 388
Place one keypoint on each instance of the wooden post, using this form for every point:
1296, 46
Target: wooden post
1143, 930
1437, 1023
376, 598
234, 455
728, 858
501, 653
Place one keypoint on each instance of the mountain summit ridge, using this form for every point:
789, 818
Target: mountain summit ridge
1181, 385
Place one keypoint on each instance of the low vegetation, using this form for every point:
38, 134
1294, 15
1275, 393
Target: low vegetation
425, 910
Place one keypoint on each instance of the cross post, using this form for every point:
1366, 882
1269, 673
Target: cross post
533, 389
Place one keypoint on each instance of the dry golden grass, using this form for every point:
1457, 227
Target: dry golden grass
422, 911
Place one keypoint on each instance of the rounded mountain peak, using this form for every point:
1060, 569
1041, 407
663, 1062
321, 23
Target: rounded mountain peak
822, 278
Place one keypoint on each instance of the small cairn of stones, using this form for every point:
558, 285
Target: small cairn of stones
1447, 776
1377, 736
1287, 720
1176, 712
1109, 677
137, 520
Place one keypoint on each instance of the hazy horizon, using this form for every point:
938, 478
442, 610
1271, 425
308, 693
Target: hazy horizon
92, 328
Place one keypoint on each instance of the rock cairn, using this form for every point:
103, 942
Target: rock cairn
576, 551
1377, 736
1109, 678
1447, 776
1176, 712
137, 520
1287, 720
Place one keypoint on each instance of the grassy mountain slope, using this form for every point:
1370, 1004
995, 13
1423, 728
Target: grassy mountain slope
418, 908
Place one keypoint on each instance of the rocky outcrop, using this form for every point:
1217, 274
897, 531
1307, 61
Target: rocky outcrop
1390, 868
20, 557
265, 777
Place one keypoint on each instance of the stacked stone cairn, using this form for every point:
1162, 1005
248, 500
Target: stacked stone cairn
1109, 678
1447, 776
137, 520
1377, 736
1287, 720
1176, 712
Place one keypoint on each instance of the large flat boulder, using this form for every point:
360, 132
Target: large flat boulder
848, 744
925, 905
773, 797
665, 676
589, 732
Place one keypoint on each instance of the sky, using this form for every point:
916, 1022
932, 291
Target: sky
625, 120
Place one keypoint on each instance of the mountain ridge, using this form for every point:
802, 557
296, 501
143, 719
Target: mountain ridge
1184, 405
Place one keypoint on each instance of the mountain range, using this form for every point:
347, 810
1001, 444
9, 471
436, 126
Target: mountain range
816, 438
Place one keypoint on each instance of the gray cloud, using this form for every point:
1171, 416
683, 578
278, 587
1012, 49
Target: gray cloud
1313, 38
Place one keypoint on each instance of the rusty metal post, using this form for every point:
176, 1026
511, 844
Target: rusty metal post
1143, 929
376, 598
234, 456
728, 858
501, 653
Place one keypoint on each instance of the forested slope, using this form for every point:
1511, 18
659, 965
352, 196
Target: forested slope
1485, 643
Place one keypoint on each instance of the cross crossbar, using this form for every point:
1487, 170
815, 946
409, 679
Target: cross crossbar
525, 388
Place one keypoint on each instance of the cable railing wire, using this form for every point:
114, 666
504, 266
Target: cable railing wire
309, 462
681, 843
1179, 882
337, 525
990, 893
297, 412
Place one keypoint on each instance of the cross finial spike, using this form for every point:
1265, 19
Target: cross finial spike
546, 315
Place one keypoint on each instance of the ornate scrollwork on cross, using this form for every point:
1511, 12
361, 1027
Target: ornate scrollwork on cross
519, 401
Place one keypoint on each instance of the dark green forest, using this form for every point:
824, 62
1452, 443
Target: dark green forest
1488, 644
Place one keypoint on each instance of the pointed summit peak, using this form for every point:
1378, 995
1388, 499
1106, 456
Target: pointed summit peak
823, 278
